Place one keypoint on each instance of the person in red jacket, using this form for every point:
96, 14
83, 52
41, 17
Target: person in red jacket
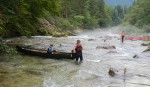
78, 50
123, 36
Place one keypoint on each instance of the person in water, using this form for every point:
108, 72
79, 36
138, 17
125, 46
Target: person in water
123, 36
78, 50
50, 49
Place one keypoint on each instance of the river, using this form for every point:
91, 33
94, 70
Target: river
27, 71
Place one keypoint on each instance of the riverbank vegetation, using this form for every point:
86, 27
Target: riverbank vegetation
7, 49
139, 16
54, 17
58, 17
20, 17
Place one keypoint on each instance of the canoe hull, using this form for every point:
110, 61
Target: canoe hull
44, 54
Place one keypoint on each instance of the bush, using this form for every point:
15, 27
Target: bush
64, 24
94, 22
6, 49
1, 39
87, 24
78, 20
44, 31
146, 28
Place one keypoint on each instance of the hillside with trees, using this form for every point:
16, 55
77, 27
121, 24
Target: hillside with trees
21, 17
50, 17
139, 15
59, 17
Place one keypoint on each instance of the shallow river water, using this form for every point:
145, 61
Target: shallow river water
27, 71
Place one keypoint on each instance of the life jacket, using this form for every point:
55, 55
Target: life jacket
49, 50
123, 34
78, 48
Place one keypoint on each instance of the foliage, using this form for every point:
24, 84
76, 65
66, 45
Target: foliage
139, 14
64, 24
146, 27
118, 15
6, 49
86, 14
19, 17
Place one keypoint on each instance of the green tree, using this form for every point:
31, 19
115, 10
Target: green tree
139, 14
118, 15
19, 17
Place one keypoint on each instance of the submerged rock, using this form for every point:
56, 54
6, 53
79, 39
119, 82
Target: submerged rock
34, 72
135, 56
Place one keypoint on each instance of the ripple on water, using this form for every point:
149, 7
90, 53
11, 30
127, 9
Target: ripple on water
139, 80
96, 61
93, 72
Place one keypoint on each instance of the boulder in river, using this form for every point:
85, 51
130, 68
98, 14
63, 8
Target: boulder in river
148, 49
104, 40
71, 33
106, 47
111, 72
91, 39
110, 52
135, 56
145, 44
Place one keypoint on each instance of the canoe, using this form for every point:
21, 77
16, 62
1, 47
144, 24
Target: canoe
44, 54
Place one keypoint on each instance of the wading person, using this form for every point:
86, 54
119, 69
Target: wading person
78, 50
123, 36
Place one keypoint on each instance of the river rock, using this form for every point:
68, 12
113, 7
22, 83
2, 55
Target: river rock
135, 56
110, 52
106, 47
145, 44
91, 39
148, 49
108, 37
104, 40
111, 72
71, 33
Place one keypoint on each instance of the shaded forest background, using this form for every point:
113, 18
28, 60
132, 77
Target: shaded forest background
60, 17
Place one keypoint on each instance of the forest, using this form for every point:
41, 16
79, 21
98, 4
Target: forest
138, 15
59, 17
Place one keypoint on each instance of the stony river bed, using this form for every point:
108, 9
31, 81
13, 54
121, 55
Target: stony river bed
27, 71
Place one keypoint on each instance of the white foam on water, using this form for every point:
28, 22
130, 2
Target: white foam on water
96, 61
49, 83
42, 36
